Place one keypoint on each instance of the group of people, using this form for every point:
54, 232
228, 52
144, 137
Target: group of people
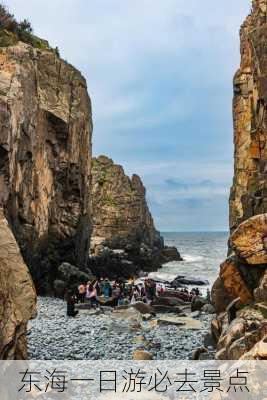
123, 292
120, 292
117, 293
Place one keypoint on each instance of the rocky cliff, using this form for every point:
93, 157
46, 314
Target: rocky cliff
249, 190
240, 292
124, 237
17, 296
45, 158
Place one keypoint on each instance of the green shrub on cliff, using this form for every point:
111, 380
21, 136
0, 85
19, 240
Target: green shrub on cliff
12, 31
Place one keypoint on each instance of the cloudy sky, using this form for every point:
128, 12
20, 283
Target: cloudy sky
159, 73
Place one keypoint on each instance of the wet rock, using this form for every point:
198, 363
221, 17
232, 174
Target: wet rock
170, 254
182, 280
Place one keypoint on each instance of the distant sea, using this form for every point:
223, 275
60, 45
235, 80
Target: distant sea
203, 252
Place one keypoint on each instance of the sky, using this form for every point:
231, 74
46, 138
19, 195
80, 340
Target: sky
159, 74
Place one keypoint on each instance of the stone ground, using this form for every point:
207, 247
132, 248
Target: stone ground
52, 335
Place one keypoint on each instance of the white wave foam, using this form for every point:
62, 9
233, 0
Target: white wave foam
190, 258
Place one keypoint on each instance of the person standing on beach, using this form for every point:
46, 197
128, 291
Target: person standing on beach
71, 312
106, 288
81, 292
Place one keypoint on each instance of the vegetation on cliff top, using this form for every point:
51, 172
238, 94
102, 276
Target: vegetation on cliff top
12, 31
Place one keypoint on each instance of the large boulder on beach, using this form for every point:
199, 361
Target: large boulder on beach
17, 296
70, 277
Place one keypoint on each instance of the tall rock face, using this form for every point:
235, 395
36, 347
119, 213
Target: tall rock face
45, 158
249, 190
240, 293
17, 296
124, 237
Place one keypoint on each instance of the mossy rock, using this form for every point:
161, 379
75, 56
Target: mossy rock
7, 38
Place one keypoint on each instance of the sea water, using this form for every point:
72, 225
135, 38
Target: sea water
203, 252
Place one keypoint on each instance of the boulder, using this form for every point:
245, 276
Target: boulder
208, 309
182, 280
220, 298
249, 240
242, 334
143, 308
168, 301
140, 355
72, 276
260, 293
234, 282
160, 308
198, 303
258, 352
17, 296
170, 253
170, 321
197, 353
59, 288
182, 322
